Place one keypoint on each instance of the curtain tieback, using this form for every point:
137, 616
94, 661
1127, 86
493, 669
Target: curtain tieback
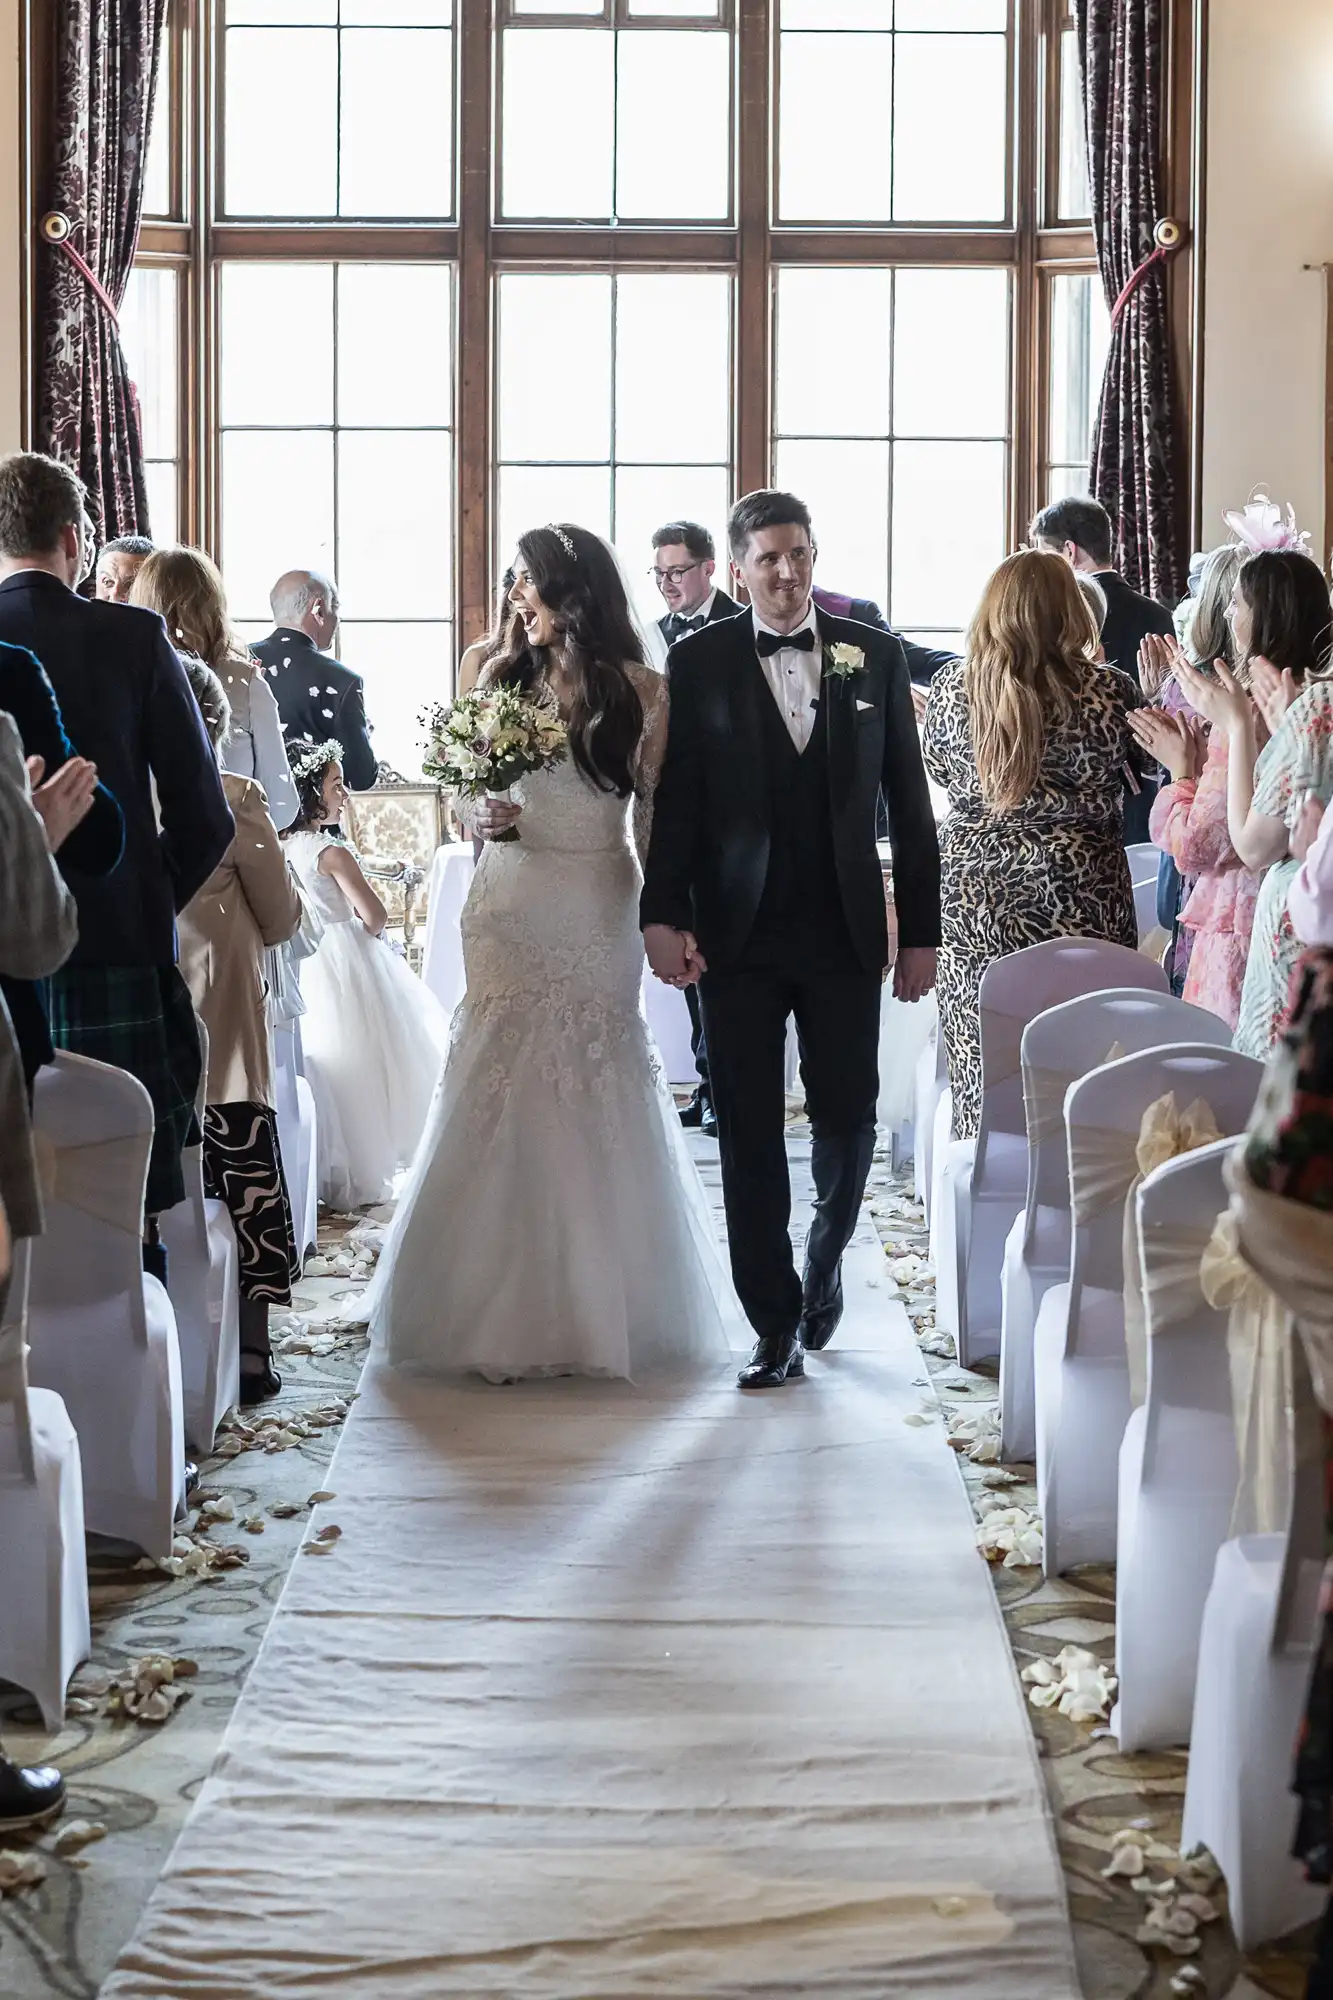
56, 229
1168, 237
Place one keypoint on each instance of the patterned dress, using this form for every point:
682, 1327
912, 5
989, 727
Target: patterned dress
1055, 866
1189, 822
1297, 759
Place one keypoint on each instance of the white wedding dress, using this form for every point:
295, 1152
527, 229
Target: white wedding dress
554, 1223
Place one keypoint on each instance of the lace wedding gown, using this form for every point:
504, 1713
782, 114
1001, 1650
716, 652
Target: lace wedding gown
554, 1223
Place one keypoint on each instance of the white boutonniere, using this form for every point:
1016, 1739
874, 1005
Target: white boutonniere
842, 661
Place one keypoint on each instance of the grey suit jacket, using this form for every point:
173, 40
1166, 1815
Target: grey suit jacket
38, 930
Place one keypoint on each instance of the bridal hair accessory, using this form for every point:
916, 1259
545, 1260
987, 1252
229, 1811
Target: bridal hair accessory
1259, 526
309, 760
566, 541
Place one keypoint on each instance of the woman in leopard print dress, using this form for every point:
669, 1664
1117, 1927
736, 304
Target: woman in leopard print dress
1029, 734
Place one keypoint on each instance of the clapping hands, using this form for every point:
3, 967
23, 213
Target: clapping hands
1179, 742
64, 801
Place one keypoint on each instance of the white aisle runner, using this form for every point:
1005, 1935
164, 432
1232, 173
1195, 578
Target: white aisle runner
614, 1693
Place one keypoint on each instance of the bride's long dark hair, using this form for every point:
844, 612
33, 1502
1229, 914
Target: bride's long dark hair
586, 597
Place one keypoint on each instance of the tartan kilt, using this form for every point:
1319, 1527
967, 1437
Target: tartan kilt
138, 1018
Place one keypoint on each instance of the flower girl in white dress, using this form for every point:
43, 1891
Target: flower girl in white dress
373, 1036
555, 1223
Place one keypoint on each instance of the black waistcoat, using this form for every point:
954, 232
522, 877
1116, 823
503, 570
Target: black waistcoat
800, 910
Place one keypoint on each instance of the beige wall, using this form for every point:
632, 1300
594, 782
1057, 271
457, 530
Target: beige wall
11, 364
1269, 212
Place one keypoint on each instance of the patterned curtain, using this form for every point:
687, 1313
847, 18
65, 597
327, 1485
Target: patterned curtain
106, 68
1135, 456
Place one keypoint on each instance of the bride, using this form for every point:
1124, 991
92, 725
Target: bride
554, 1223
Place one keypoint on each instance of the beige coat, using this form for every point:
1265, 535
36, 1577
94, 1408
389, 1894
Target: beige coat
249, 901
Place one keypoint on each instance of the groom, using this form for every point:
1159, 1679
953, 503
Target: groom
763, 883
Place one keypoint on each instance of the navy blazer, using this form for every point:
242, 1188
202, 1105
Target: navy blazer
321, 699
95, 846
126, 704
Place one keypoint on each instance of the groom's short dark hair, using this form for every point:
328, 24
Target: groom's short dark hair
768, 508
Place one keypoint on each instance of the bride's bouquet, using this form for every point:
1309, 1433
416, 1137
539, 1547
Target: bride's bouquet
484, 742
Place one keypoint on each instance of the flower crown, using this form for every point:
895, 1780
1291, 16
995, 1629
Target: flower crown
1259, 527
566, 541
309, 760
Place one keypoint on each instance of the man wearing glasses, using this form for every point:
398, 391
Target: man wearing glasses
683, 565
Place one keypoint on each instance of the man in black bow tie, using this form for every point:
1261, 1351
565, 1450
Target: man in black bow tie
763, 883
684, 559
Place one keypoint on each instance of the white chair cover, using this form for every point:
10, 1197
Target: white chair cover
906, 1035
442, 955
1060, 1046
931, 1085
1081, 1365
203, 1271
44, 1623
1177, 1473
103, 1333
668, 1017
297, 1138
987, 1178
1262, 1618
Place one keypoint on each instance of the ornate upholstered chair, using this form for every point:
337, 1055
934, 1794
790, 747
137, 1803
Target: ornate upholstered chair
396, 827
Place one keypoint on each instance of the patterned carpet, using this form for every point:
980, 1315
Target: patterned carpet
61, 1935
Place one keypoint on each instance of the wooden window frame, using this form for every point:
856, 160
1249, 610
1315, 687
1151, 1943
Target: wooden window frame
1033, 246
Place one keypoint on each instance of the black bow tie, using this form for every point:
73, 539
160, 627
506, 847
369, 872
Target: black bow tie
678, 624
768, 643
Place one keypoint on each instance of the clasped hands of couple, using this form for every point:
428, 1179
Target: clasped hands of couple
675, 956
1180, 742
677, 961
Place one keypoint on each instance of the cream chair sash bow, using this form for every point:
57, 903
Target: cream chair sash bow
1270, 1263
1002, 1041
1259, 1351
1107, 1167
1164, 1134
13, 1354
101, 1177
1044, 1093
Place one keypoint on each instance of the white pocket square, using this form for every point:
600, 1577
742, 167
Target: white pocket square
862, 706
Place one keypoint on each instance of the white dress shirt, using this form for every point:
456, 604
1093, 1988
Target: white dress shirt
795, 678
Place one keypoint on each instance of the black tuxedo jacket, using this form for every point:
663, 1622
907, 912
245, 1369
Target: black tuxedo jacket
708, 856
320, 699
923, 662
723, 607
1129, 620
126, 703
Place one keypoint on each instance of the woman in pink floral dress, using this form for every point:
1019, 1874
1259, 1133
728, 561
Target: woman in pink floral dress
1189, 821
1284, 624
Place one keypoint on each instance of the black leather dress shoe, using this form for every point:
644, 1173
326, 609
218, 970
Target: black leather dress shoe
822, 1308
708, 1123
692, 1114
777, 1358
31, 1796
